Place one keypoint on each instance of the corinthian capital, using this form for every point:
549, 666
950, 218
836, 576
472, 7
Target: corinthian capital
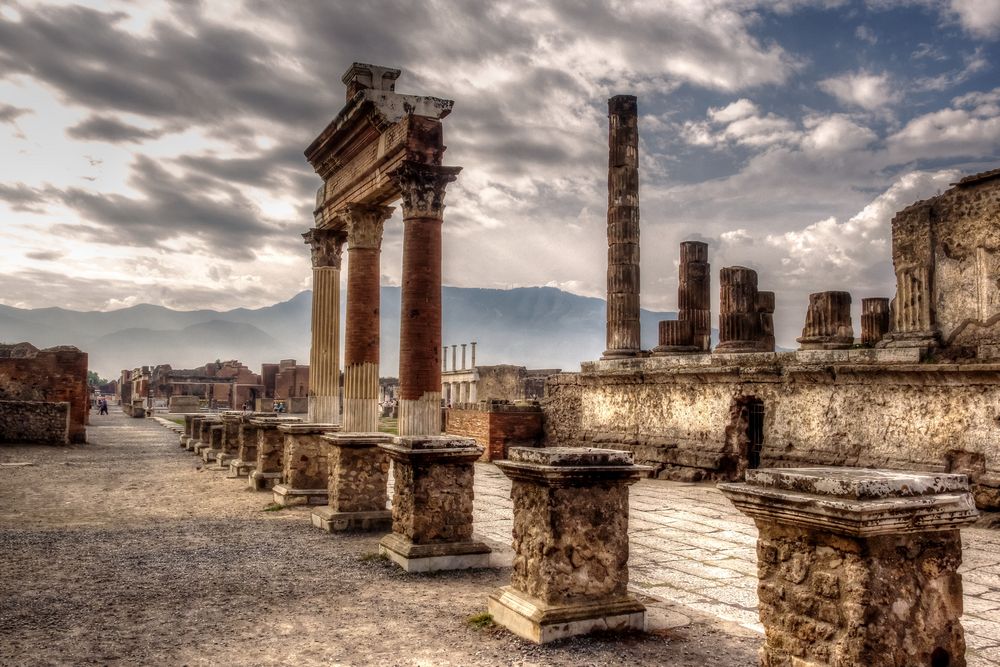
327, 246
364, 223
422, 187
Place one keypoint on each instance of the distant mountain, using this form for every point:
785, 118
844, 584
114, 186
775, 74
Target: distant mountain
538, 327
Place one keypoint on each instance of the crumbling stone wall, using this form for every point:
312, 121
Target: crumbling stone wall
443, 517
34, 422
53, 375
681, 418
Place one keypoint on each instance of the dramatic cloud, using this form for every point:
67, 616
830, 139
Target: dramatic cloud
861, 89
96, 128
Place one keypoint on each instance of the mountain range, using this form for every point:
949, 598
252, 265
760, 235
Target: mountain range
538, 327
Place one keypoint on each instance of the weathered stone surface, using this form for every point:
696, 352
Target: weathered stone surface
876, 318
858, 567
694, 298
359, 471
623, 228
35, 422
828, 322
54, 375
682, 415
739, 319
570, 539
304, 462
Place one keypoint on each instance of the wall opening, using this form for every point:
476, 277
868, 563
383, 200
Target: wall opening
755, 431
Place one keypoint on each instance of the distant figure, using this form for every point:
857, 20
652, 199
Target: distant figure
103, 403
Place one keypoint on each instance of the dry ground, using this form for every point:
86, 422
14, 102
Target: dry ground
124, 552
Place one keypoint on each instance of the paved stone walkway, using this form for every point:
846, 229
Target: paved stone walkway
689, 546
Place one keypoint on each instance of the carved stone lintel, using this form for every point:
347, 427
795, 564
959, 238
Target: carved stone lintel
364, 224
422, 187
327, 247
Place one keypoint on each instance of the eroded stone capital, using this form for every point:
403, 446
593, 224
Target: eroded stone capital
364, 224
327, 246
422, 187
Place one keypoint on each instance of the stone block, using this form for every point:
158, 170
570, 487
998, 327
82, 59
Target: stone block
858, 566
358, 476
288, 496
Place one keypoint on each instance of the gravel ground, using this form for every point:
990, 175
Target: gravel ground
125, 552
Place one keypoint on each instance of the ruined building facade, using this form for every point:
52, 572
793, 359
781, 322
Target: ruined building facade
918, 390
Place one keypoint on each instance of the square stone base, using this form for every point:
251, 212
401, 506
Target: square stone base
199, 446
208, 454
287, 496
541, 623
263, 481
326, 518
223, 459
189, 445
183, 440
239, 470
434, 557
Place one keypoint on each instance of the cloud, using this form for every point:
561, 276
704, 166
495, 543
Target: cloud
970, 128
980, 17
836, 133
862, 89
112, 130
10, 113
22, 197
866, 34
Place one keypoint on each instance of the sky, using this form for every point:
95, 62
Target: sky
152, 151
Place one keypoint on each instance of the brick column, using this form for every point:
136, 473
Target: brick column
623, 228
856, 566
361, 337
422, 187
324, 353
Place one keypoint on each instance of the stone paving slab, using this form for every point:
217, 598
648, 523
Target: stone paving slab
690, 546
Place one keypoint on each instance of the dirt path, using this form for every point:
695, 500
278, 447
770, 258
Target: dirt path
124, 552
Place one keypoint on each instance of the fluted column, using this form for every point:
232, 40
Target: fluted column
739, 319
364, 224
694, 298
422, 187
623, 228
828, 322
324, 352
875, 319
765, 309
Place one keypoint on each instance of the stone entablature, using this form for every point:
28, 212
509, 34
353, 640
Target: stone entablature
858, 566
686, 415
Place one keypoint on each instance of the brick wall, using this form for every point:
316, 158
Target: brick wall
54, 375
497, 427
34, 422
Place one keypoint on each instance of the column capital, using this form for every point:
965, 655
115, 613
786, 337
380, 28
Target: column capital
363, 224
422, 187
327, 246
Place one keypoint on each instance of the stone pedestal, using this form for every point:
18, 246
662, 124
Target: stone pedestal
215, 433
623, 228
304, 470
876, 318
858, 566
204, 434
230, 437
270, 453
570, 571
828, 322
432, 504
358, 476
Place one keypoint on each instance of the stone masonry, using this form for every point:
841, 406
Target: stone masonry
432, 504
34, 422
53, 375
623, 228
304, 470
570, 538
358, 478
858, 567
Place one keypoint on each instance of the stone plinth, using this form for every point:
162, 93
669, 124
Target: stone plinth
215, 434
570, 571
876, 318
675, 337
623, 228
858, 566
304, 470
270, 453
432, 504
246, 449
828, 322
358, 476
204, 432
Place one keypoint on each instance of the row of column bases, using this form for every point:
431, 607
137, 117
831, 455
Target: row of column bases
829, 548
746, 315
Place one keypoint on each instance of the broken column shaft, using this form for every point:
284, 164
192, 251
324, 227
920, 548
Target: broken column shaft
739, 319
828, 322
623, 228
875, 319
694, 298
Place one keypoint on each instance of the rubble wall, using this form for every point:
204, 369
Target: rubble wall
34, 422
54, 375
689, 423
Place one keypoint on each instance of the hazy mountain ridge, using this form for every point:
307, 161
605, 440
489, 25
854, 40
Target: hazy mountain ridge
539, 327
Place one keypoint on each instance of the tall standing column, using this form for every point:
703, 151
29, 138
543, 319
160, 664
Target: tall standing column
623, 228
364, 226
422, 187
473, 344
324, 353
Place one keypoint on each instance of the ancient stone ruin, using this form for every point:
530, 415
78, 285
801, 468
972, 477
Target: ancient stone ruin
828, 322
43, 395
